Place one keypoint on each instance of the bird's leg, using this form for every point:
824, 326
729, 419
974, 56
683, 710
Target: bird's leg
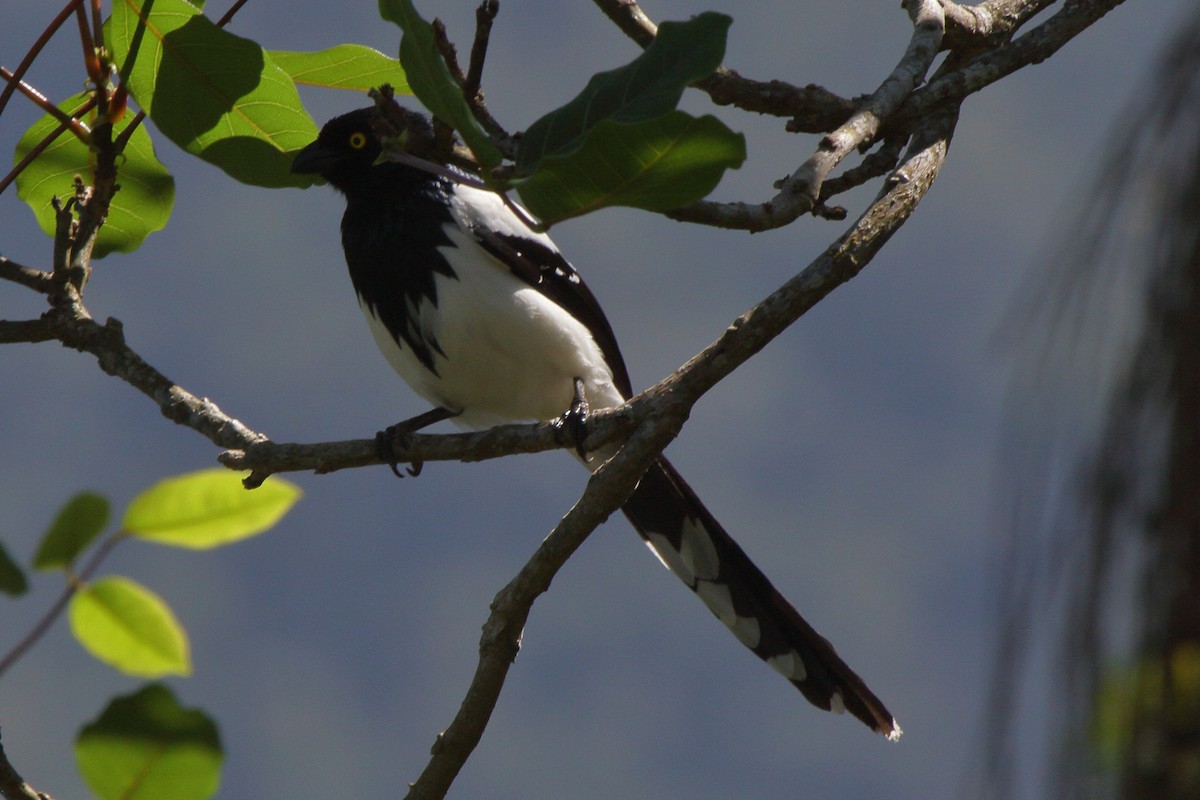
573, 421
401, 432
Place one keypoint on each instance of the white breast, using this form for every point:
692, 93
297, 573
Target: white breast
508, 353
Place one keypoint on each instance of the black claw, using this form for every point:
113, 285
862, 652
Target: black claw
574, 421
385, 450
402, 432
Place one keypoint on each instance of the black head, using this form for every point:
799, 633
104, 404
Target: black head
345, 148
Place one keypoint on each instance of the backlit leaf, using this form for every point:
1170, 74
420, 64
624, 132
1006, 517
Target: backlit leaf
128, 627
206, 509
77, 525
647, 87
12, 578
657, 165
344, 66
145, 746
141, 206
216, 95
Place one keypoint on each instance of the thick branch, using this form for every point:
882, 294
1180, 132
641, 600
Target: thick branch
13, 786
70, 324
606, 491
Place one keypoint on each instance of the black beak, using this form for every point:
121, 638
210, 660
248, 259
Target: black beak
316, 158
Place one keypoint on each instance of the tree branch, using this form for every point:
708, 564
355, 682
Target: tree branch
28, 277
70, 324
13, 786
988, 22
814, 107
611, 485
799, 193
1033, 48
247, 449
607, 490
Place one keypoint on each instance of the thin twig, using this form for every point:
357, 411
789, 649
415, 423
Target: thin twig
88, 44
76, 127
26, 276
28, 158
949, 88
485, 15
97, 24
34, 49
629, 17
811, 107
227, 17
447, 50
56, 608
800, 191
861, 128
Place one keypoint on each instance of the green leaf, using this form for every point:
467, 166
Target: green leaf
431, 81
12, 578
77, 525
206, 509
344, 66
143, 204
145, 746
647, 87
216, 95
128, 627
657, 165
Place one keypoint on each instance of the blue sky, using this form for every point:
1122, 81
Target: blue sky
855, 458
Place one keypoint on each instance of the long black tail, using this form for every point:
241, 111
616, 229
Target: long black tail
693, 545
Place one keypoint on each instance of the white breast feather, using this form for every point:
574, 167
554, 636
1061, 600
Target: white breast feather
507, 352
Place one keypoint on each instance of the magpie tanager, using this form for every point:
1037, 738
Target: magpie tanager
485, 319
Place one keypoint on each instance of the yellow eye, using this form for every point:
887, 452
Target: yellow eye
358, 140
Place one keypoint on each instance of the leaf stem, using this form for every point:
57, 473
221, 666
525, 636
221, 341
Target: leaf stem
74, 582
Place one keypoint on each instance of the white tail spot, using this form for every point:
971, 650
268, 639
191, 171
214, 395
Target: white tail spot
789, 665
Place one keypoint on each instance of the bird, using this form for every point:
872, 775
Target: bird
484, 318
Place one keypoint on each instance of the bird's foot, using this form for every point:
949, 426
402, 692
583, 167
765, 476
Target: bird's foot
573, 424
399, 436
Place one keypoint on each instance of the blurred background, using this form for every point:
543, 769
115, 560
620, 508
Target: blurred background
868, 459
